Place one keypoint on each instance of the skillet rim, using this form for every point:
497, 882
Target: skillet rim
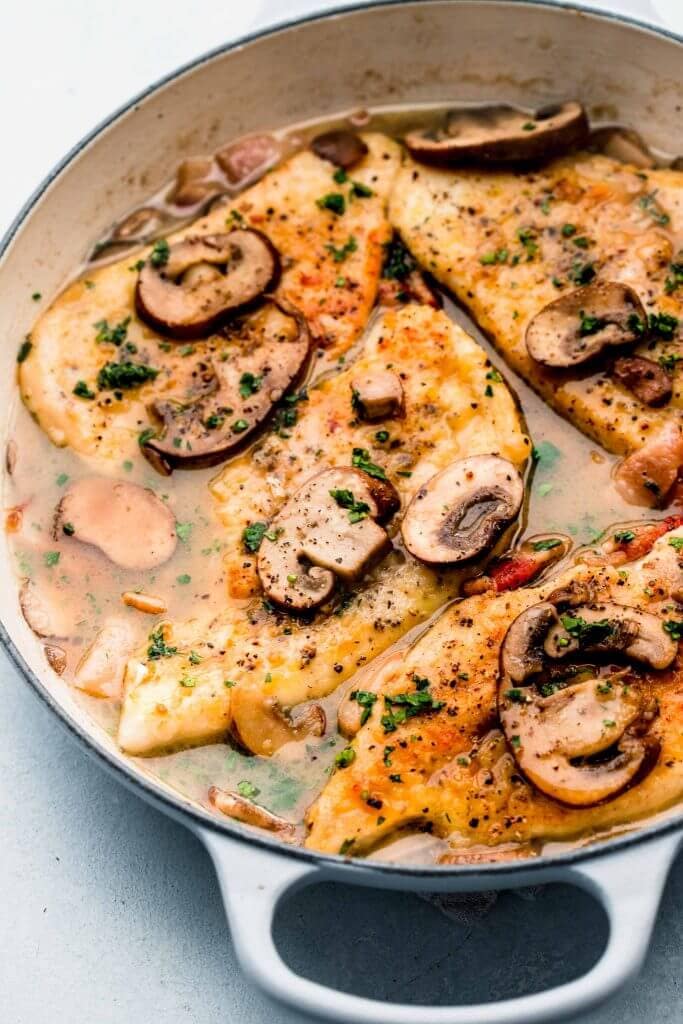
179, 807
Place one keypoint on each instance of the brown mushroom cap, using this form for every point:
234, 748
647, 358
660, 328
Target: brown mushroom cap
579, 325
181, 307
644, 378
328, 528
342, 148
128, 523
501, 134
241, 809
612, 627
377, 394
459, 512
553, 738
223, 402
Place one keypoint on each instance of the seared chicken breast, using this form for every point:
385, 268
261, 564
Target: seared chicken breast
452, 745
257, 662
508, 243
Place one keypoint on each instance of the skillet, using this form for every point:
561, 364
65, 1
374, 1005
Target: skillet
412, 52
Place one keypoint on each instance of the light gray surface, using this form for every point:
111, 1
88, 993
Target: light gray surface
110, 913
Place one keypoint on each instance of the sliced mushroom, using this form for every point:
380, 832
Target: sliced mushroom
647, 380
329, 528
612, 627
342, 148
101, 669
377, 394
128, 523
146, 603
225, 401
242, 160
238, 807
249, 265
138, 225
260, 724
646, 476
501, 134
44, 616
623, 144
459, 513
583, 323
554, 738
56, 658
522, 652
194, 183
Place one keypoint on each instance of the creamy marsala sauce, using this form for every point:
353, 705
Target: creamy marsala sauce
569, 490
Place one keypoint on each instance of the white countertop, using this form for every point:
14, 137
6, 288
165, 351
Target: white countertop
109, 912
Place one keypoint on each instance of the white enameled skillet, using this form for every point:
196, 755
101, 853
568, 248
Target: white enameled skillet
408, 53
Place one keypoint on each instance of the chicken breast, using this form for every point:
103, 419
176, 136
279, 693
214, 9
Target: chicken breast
93, 322
258, 663
508, 243
447, 766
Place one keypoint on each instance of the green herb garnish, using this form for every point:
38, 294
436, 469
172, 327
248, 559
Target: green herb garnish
361, 460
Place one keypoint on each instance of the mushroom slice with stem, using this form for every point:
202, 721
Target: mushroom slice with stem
261, 725
460, 512
501, 134
329, 528
583, 323
241, 809
554, 738
187, 307
342, 148
522, 653
128, 523
612, 627
204, 424
377, 395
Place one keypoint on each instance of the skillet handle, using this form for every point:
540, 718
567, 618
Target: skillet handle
628, 884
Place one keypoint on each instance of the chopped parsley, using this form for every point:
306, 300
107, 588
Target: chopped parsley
402, 706
158, 648
252, 536
247, 789
83, 391
51, 558
382, 436
649, 204
334, 202
346, 846
568, 230
581, 242
183, 531
69, 529
24, 350
250, 384
183, 579
527, 236
546, 454
676, 543
366, 699
544, 490
586, 632
398, 262
517, 696
491, 258
361, 460
669, 361
582, 273
62, 479
341, 253
675, 278
357, 509
624, 536
345, 757
160, 253
663, 325
494, 375
146, 435
214, 421
360, 191
674, 629
546, 545
115, 335
590, 324
239, 426
340, 176
124, 376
